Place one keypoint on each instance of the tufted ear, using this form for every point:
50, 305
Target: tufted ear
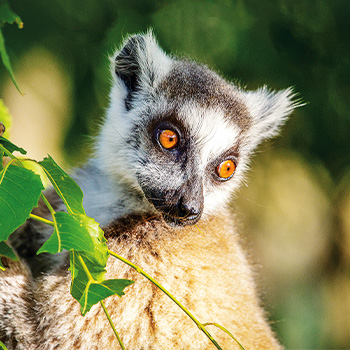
140, 64
269, 110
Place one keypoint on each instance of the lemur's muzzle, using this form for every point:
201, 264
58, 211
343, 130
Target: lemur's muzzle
181, 207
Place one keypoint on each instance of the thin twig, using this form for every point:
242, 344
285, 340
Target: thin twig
139, 270
52, 211
226, 331
92, 280
41, 219
2, 346
112, 325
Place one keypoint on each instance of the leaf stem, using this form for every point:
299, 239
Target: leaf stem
112, 325
8, 153
139, 270
52, 211
88, 274
92, 280
226, 331
41, 219
2, 346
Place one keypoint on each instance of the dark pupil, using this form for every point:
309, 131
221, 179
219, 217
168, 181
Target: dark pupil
170, 139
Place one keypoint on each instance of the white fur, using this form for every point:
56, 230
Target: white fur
269, 111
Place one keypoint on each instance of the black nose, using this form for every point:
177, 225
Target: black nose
187, 210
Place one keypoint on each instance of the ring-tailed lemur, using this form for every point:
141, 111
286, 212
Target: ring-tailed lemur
175, 144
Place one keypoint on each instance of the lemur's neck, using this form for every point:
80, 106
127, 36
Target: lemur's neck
107, 200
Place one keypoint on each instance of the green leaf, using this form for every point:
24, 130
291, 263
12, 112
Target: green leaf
64, 185
5, 118
94, 262
10, 146
95, 292
88, 285
71, 232
8, 16
5, 250
6, 60
1, 159
20, 190
88, 267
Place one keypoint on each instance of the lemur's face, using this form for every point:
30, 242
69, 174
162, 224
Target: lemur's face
179, 134
188, 151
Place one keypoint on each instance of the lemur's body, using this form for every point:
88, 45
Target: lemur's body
175, 143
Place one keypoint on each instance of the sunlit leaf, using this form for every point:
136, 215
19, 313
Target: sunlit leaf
88, 288
80, 278
10, 146
95, 263
95, 292
64, 185
71, 232
20, 190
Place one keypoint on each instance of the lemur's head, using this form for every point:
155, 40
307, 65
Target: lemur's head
180, 135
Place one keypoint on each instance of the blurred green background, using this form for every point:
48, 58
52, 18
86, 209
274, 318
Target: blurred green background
295, 212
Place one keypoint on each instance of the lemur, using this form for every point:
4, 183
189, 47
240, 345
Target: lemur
173, 147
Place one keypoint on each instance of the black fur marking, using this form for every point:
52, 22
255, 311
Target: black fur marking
127, 66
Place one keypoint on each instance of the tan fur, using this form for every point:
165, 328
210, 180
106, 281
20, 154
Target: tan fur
216, 286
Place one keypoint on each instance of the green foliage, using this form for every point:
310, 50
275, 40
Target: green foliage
10, 147
70, 232
20, 190
65, 186
88, 284
6, 251
8, 16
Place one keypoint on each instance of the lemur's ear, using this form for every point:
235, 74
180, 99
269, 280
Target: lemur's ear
140, 64
269, 111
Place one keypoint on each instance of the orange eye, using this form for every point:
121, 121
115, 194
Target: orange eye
226, 169
168, 138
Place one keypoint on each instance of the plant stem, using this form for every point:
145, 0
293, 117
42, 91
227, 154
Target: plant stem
52, 211
139, 270
2, 346
112, 325
199, 230
88, 274
43, 220
8, 153
226, 331
92, 280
